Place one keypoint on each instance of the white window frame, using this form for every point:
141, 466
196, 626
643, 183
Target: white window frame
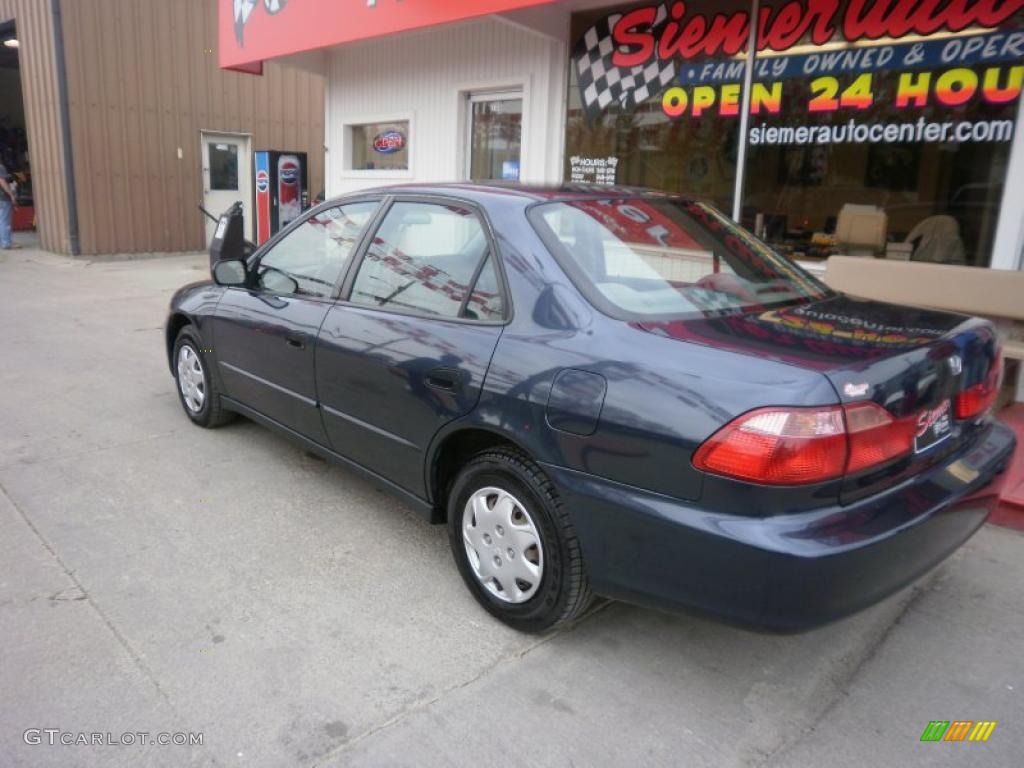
350, 121
1008, 246
469, 93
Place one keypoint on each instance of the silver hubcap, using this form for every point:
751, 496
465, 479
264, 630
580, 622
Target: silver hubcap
190, 379
503, 545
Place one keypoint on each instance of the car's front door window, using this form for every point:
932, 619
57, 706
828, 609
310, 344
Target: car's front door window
310, 259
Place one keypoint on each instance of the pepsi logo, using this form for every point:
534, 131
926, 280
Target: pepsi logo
289, 173
262, 180
388, 142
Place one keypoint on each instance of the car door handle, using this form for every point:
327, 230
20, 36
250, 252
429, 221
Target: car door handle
443, 378
297, 340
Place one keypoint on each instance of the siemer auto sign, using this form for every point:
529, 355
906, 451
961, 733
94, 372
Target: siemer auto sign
817, 57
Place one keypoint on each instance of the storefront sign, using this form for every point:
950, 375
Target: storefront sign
388, 142
928, 54
251, 31
592, 170
689, 60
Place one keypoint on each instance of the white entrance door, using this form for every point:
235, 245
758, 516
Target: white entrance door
227, 176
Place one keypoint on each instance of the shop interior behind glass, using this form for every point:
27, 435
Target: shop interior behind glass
929, 201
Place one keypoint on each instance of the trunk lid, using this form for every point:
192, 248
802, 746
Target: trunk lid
910, 361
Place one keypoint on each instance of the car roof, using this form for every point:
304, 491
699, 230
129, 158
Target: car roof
527, 192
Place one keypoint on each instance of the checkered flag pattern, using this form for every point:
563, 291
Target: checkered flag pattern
602, 83
243, 8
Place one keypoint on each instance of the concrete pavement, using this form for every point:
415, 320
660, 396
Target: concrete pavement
158, 577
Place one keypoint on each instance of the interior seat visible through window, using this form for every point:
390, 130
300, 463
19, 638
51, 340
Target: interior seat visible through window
432, 259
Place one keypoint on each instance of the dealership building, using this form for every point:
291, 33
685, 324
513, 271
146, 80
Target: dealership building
828, 127
116, 123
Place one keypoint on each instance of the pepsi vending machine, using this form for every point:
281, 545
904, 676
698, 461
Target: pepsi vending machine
282, 190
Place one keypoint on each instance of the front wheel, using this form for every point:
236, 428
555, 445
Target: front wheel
196, 389
514, 543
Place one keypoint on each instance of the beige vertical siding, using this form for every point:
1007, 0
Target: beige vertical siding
42, 117
143, 81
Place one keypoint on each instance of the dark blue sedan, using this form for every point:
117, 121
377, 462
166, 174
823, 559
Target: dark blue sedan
607, 392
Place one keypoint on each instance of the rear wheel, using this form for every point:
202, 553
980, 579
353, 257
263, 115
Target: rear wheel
198, 394
514, 543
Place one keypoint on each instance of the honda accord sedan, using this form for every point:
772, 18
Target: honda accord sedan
606, 391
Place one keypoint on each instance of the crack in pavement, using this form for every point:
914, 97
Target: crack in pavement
85, 452
88, 599
421, 705
842, 685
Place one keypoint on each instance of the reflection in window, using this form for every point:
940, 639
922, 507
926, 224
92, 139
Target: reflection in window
485, 301
626, 142
424, 258
669, 257
893, 143
315, 253
912, 198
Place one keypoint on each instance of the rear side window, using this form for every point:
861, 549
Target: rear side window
641, 257
430, 259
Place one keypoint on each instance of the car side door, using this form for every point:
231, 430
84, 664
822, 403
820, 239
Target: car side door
265, 334
407, 347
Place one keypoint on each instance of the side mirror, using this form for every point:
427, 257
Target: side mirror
276, 281
230, 272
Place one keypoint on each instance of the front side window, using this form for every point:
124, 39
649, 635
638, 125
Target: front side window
430, 259
310, 259
642, 257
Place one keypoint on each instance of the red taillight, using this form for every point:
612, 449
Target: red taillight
977, 399
778, 446
875, 436
797, 446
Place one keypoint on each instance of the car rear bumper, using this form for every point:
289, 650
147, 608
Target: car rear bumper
789, 572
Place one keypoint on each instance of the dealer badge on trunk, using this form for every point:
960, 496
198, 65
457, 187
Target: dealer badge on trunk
933, 426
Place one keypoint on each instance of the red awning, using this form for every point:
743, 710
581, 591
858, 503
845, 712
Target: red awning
252, 31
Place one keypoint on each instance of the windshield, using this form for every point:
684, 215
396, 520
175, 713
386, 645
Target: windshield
642, 257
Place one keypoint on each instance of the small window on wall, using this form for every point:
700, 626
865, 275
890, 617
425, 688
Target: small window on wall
379, 146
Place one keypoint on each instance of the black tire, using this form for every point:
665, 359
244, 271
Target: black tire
563, 593
212, 413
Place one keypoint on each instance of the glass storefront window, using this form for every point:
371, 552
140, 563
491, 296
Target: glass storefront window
894, 148
875, 129
632, 120
380, 146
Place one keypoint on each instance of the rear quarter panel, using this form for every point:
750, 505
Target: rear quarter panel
664, 397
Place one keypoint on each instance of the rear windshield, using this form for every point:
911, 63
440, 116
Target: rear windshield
638, 258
